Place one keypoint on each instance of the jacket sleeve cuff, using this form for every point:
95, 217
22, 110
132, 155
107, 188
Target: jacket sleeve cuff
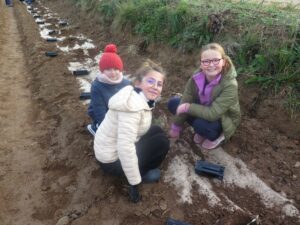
176, 128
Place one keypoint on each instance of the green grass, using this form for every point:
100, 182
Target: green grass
263, 40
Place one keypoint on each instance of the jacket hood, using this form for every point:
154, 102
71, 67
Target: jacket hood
127, 99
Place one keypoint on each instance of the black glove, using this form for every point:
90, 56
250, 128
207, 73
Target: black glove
134, 193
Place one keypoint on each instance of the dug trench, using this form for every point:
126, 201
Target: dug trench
59, 180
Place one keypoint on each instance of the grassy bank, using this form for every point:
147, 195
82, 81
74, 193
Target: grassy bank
263, 40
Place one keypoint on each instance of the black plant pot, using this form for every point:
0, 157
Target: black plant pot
62, 23
175, 222
51, 39
80, 72
85, 96
51, 54
51, 32
209, 169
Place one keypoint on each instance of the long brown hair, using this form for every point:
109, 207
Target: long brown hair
215, 46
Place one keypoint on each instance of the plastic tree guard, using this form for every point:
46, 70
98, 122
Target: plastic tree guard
176, 222
51, 54
80, 72
206, 168
85, 95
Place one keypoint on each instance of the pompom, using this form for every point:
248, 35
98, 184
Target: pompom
110, 59
110, 48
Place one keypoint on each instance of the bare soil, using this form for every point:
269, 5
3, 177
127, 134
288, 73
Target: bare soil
48, 173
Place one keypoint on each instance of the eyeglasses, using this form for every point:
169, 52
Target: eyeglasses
207, 62
152, 82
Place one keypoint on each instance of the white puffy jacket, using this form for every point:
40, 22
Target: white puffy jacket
128, 118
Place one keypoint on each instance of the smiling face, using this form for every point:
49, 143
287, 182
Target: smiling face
211, 63
112, 74
151, 84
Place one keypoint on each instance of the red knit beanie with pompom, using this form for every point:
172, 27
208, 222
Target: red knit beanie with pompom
110, 59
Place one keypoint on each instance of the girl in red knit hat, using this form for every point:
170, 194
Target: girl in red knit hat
108, 82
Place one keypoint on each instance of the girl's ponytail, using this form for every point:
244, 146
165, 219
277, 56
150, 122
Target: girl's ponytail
228, 64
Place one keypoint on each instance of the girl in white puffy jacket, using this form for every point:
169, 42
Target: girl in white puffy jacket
125, 143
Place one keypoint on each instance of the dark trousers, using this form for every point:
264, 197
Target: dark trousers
151, 150
8, 2
207, 129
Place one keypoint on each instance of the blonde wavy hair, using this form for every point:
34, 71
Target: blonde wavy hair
217, 47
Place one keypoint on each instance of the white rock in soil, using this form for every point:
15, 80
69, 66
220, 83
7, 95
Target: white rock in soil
163, 205
63, 221
297, 164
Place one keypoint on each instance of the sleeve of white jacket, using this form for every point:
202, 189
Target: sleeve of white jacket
128, 125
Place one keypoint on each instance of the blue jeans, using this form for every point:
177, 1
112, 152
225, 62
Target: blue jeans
207, 129
151, 150
8, 2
